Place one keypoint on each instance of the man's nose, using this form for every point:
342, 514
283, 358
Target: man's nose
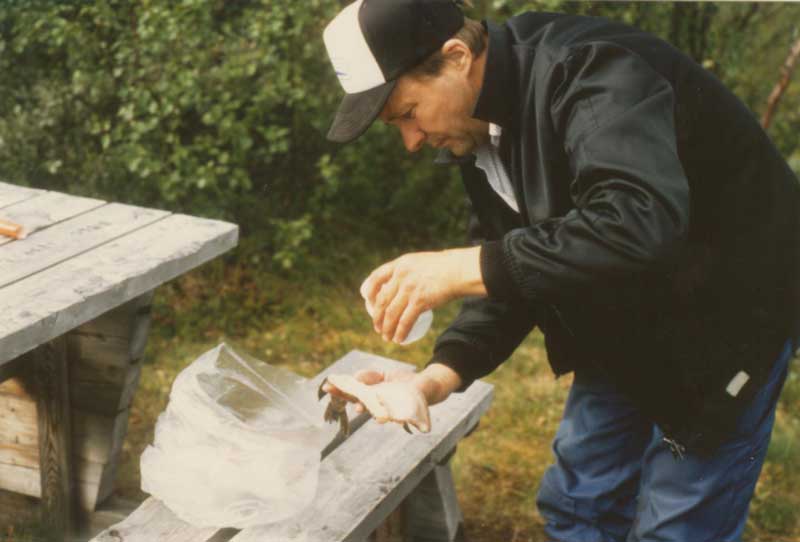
413, 138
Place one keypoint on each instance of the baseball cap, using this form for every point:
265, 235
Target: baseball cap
372, 42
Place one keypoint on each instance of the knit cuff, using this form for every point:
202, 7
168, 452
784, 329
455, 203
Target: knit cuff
463, 358
497, 278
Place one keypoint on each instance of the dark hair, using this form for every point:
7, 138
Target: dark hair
472, 33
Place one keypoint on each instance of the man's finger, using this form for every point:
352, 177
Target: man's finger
406, 322
373, 283
392, 314
369, 376
385, 298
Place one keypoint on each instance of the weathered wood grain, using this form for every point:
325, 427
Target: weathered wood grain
67, 239
110, 512
96, 444
46, 209
105, 354
96, 436
92, 283
117, 321
432, 513
153, 521
27, 481
21, 479
11, 194
49, 374
19, 433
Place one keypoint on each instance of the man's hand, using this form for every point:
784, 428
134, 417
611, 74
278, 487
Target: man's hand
389, 398
400, 290
400, 396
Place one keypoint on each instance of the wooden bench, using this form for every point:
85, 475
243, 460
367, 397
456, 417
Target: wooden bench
362, 480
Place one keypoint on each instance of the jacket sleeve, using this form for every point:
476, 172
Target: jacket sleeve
484, 333
614, 115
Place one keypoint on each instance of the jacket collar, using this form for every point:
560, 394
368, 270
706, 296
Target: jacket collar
494, 102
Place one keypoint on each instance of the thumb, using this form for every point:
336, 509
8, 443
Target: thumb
369, 376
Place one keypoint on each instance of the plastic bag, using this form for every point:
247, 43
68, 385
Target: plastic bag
238, 445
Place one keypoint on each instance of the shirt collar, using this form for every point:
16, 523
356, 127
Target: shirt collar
495, 132
495, 100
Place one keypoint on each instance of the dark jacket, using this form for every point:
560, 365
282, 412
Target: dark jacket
658, 234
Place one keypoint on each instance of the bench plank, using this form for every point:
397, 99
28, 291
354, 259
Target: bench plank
354, 494
46, 209
130, 530
94, 282
154, 521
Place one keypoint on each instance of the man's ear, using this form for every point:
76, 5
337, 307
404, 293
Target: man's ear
457, 53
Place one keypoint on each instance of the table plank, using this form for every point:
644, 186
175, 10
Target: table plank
10, 193
46, 209
71, 238
64, 296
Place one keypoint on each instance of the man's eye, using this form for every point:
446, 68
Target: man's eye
409, 114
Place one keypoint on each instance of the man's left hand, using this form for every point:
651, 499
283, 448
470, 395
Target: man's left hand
400, 290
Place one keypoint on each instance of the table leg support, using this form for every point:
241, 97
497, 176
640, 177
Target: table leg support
432, 511
51, 380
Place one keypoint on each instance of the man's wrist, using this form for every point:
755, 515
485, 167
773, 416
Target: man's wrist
436, 382
467, 268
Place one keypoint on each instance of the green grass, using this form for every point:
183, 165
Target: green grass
305, 321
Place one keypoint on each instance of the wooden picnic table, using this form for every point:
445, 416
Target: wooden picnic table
75, 297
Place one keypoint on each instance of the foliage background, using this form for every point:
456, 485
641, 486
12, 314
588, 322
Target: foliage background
219, 109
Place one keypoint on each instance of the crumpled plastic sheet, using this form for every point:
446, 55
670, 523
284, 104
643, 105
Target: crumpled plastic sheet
238, 445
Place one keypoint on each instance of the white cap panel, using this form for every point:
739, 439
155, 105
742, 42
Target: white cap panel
352, 59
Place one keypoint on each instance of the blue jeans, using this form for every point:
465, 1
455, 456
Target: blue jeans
615, 480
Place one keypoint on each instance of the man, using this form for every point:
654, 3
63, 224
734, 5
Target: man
626, 203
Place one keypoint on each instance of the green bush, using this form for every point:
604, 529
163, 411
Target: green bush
209, 107
220, 108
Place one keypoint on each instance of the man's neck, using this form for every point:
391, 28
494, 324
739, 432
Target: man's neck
476, 80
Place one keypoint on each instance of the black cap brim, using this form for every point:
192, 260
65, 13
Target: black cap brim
357, 111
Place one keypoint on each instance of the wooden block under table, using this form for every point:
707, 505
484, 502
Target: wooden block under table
47, 371
103, 372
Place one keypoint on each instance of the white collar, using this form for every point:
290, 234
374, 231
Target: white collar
495, 132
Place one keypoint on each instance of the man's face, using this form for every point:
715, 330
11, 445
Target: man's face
436, 110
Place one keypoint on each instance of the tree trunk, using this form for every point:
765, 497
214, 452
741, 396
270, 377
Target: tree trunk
781, 85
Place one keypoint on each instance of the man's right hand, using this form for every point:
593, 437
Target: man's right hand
402, 396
